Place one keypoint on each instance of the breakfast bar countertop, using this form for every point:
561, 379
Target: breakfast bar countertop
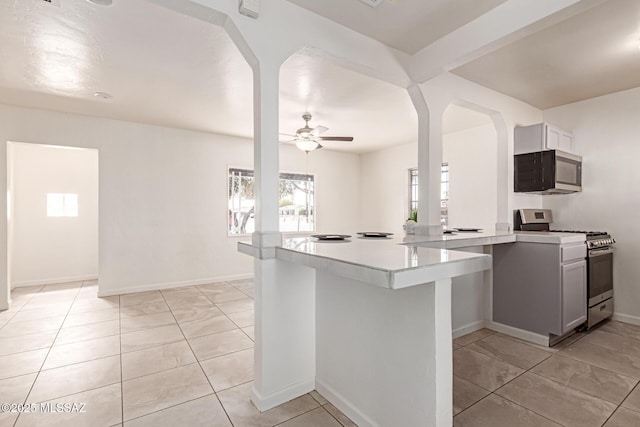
382, 262
482, 238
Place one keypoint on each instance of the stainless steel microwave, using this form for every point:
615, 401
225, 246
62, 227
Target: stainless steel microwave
547, 172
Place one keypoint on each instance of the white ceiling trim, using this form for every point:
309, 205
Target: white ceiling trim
502, 25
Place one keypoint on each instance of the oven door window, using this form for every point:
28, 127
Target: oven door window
600, 274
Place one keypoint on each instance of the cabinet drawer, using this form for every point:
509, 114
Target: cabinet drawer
573, 252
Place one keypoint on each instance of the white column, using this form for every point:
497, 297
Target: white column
266, 78
505, 180
429, 162
284, 355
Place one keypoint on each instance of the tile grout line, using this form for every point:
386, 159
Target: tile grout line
494, 391
48, 352
636, 355
333, 416
198, 361
637, 386
169, 407
305, 413
37, 373
509, 400
559, 354
21, 307
637, 381
121, 375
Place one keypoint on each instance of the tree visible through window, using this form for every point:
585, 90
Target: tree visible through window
296, 205
444, 193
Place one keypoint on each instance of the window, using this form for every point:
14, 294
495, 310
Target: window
62, 204
297, 202
444, 193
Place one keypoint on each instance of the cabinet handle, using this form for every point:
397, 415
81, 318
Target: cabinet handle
603, 307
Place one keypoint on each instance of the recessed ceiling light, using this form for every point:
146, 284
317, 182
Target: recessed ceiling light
102, 2
102, 95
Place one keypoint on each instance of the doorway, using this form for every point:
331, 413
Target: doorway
52, 194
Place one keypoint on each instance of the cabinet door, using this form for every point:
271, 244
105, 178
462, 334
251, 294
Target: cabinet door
553, 137
566, 141
574, 295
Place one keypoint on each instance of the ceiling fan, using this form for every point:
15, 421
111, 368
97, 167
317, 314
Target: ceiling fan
308, 139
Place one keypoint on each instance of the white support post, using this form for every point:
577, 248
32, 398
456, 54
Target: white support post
266, 78
284, 355
429, 163
505, 180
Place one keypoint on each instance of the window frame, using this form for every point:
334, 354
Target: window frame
65, 208
413, 183
285, 173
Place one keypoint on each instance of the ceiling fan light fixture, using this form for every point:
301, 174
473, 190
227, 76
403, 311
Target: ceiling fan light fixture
307, 145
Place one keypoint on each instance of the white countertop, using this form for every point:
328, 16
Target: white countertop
402, 261
467, 239
382, 262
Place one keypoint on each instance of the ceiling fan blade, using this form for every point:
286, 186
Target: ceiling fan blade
287, 134
319, 130
336, 138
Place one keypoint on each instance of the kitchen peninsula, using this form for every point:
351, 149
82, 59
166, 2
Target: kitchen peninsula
382, 350
376, 318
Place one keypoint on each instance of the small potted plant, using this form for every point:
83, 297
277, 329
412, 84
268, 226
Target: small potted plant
410, 225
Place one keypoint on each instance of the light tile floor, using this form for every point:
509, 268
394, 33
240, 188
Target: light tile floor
184, 357
178, 357
591, 379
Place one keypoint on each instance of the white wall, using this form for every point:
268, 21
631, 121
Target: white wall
472, 158
163, 195
384, 183
53, 249
607, 132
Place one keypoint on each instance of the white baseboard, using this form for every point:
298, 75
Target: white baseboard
467, 329
169, 285
625, 318
518, 333
41, 282
264, 403
347, 408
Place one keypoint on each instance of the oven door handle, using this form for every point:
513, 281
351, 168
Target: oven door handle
600, 252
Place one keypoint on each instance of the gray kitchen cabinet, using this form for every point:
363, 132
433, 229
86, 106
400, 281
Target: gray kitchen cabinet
574, 295
540, 287
541, 137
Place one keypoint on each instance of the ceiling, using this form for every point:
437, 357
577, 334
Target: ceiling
193, 77
407, 25
592, 54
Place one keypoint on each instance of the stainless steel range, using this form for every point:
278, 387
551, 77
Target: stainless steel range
599, 277
600, 248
